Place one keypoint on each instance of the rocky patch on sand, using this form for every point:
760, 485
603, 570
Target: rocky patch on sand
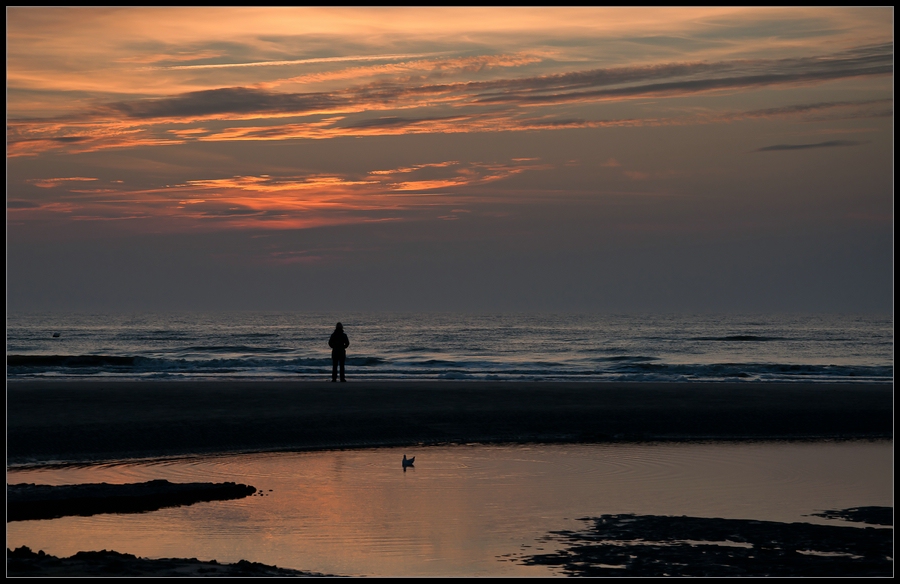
651, 545
29, 501
870, 515
24, 562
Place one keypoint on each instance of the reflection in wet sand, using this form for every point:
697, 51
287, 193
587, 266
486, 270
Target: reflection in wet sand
460, 509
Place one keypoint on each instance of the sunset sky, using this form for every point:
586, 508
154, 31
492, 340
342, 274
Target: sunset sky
450, 159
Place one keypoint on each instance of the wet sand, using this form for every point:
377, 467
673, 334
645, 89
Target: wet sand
90, 421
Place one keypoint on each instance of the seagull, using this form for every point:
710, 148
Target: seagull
408, 461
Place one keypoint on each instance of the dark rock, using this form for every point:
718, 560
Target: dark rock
871, 515
24, 562
650, 545
29, 501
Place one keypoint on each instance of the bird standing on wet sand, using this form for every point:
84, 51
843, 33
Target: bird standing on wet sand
408, 461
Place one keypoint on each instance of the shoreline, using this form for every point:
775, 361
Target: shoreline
70, 422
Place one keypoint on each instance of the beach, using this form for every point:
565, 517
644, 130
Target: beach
75, 422
93, 421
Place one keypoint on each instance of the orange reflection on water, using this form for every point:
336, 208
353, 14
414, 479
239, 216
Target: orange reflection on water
462, 507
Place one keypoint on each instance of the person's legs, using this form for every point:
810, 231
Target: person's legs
334, 368
342, 368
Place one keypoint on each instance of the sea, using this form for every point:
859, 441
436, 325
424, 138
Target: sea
822, 348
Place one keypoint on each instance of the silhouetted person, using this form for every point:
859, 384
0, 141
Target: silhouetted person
338, 343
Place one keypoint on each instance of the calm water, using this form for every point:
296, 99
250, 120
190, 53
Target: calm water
463, 510
822, 348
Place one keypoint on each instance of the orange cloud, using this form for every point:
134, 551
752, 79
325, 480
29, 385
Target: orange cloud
47, 183
265, 184
280, 202
416, 167
170, 57
508, 70
491, 105
297, 61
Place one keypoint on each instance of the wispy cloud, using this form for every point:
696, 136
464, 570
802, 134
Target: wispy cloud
22, 204
415, 167
598, 84
423, 68
233, 102
726, 75
298, 61
47, 183
471, 106
280, 202
827, 144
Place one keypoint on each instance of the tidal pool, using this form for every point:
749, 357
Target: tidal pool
468, 510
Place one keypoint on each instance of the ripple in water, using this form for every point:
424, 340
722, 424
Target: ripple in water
461, 507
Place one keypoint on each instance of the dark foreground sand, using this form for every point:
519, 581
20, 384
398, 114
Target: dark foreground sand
95, 421
108, 564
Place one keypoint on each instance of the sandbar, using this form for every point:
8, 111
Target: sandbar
28, 501
88, 421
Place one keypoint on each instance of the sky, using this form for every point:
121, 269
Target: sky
450, 159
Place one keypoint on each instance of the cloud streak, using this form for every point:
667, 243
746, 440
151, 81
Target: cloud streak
827, 144
48, 183
416, 106
495, 105
547, 89
278, 202
296, 62
231, 102
728, 75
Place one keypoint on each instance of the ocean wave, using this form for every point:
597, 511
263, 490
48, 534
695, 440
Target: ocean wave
235, 349
362, 361
619, 368
21, 364
70, 360
746, 338
759, 371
